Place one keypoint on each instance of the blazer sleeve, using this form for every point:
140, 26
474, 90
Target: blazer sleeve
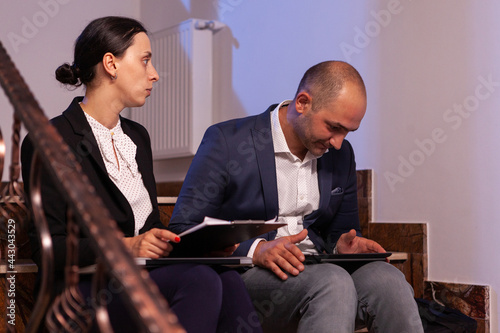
204, 187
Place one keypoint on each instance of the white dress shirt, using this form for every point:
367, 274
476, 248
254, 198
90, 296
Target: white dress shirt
122, 168
298, 189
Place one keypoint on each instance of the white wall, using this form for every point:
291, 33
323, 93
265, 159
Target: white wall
421, 61
39, 36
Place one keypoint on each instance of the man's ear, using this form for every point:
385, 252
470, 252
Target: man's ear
109, 64
303, 102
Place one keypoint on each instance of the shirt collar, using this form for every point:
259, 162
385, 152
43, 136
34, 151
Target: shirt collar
114, 143
279, 140
94, 124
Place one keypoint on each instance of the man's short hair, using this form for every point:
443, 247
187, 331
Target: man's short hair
325, 80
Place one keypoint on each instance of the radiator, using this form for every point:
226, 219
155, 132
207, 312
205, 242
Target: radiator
179, 109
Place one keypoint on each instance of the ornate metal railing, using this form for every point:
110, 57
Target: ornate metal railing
67, 311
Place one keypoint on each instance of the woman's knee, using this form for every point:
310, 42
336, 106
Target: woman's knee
231, 280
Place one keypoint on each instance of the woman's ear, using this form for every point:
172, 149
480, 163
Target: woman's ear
303, 102
109, 64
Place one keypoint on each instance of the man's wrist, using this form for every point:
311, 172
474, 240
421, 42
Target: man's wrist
254, 246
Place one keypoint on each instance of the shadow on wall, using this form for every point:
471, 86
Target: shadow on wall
159, 15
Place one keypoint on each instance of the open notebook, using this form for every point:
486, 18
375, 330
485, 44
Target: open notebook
215, 235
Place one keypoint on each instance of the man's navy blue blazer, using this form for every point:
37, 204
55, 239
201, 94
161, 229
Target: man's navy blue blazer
233, 177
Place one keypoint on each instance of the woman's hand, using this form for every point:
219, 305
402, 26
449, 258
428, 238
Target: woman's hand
154, 243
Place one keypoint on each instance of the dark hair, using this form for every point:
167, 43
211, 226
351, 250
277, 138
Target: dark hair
107, 34
325, 80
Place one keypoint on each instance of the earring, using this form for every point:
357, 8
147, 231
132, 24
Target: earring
114, 77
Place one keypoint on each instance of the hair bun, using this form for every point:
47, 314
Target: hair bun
68, 74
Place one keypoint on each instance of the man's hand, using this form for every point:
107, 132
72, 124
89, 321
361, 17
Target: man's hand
281, 254
154, 243
350, 243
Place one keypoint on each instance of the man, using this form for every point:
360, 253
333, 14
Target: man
292, 162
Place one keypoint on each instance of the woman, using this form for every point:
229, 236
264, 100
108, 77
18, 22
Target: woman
112, 60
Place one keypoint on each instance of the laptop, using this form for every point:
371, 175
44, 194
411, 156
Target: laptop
155, 263
226, 261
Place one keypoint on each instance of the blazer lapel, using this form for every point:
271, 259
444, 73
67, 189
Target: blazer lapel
264, 152
324, 167
85, 147
325, 175
87, 144
142, 160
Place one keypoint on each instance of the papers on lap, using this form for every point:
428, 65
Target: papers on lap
215, 235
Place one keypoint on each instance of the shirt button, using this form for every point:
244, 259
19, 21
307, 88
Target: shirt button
301, 197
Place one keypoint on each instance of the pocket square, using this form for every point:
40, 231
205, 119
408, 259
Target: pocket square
337, 190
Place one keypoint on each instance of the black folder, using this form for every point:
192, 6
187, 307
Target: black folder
216, 235
341, 258
350, 262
